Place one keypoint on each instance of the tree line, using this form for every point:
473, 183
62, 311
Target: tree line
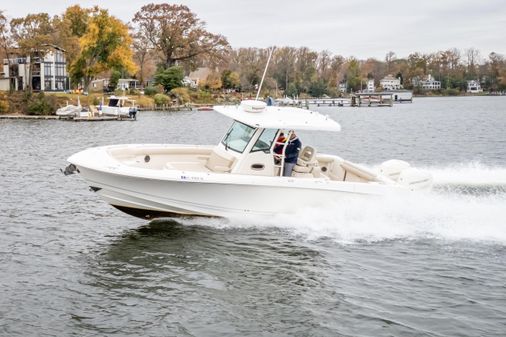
163, 42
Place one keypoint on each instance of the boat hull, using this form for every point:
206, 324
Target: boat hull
193, 195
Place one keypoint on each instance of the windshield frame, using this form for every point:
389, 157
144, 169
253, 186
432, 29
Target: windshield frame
249, 131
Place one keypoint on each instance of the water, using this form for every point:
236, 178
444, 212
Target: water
429, 265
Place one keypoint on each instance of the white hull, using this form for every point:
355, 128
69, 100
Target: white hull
159, 192
115, 111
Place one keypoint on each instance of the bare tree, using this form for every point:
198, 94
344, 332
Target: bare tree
177, 33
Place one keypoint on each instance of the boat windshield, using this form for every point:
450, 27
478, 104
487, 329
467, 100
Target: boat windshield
238, 136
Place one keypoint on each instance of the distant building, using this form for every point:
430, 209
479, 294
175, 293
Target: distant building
343, 87
427, 84
370, 86
474, 87
102, 84
127, 84
199, 75
49, 71
390, 83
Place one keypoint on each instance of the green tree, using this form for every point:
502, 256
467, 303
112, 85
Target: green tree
169, 78
114, 79
105, 45
292, 90
317, 88
230, 79
353, 74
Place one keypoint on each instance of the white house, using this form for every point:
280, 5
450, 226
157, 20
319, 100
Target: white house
428, 84
199, 75
390, 83
370, 85
49, 71
474, 87
343, 87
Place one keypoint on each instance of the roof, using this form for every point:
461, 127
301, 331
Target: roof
275, 117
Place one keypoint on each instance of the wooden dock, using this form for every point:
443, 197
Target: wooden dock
67, 118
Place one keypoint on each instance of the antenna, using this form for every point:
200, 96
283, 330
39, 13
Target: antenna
265, 71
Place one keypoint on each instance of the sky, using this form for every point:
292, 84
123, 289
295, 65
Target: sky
360, 28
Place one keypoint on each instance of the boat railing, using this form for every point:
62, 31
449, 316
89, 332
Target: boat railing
279, 158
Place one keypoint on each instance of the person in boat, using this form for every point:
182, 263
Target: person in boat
279, 144
291, 154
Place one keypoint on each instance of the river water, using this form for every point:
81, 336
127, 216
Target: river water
429, 265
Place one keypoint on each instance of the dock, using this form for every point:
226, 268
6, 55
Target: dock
67, 118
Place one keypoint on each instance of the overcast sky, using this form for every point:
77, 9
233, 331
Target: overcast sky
360, 28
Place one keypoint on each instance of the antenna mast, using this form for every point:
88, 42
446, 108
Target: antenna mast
265, 71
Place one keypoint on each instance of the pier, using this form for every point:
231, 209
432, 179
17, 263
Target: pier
67, 118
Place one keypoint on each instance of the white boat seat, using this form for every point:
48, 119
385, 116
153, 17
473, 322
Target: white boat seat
220, 162
302, 169
307, 157
360, 172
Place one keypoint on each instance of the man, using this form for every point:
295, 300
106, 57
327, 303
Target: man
291, 154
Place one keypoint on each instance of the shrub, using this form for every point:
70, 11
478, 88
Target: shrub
161, 99
4, 103
41, 104
182, 95
151, 91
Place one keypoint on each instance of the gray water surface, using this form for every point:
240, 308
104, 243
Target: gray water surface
431, 265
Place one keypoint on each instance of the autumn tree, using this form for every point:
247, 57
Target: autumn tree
177, 33
230, 79
5, 39
105, 45
70, 27
32, 34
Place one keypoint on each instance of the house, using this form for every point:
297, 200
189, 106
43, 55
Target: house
199, 75
99, 85
102, 84
370, 86
428, 84
474, 87
390, 83
127, 84
49, 71
343, 87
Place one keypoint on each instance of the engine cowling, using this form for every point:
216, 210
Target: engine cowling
393, 168
415, 179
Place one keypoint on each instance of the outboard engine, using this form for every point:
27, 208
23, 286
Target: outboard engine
132, 112
405, 175
415, 179
393, 168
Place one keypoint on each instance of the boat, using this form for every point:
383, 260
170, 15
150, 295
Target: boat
120, 106
240, 175
70, 110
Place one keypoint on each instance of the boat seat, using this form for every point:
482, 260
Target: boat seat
307, 157
220, 162
358, 171
305, 162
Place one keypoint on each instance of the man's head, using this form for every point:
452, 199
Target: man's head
292, 134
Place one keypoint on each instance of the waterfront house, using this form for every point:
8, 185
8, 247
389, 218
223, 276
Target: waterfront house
474, 87
199, 75
429, 83
390, 83
370, 86
49, 71
343, 87
102, 84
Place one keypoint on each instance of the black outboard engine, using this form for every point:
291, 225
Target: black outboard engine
132, 113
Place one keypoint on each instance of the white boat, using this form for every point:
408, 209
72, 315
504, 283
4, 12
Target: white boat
241, 174
70, 110
120, 106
